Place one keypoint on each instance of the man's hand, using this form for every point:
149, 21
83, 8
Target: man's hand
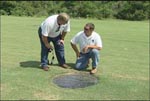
85, 49
61, 41
49, 46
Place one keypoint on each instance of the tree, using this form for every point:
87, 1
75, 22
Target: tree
133, 10
128, 10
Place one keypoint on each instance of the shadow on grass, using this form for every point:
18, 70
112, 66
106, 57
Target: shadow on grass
30, 64
36, 64
71, 65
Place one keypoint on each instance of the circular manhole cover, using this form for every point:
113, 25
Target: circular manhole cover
75, 80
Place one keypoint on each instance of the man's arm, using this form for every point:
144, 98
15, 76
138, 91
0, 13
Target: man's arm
91, 47
63, 34
94, 47
44, 39
75, 49
63, 37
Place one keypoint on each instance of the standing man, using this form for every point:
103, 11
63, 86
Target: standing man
53, 29
90, 43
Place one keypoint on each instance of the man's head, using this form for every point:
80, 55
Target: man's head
63, 18
89, 28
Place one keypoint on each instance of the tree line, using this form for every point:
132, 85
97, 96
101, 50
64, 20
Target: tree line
127, 10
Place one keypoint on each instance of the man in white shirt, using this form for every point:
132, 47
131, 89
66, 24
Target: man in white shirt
90, 44
54, 29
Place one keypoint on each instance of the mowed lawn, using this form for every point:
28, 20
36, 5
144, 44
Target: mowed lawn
123, 70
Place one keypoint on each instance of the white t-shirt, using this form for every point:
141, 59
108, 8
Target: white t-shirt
50, 27
81, 39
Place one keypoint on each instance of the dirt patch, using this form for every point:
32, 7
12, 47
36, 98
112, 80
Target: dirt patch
75, 80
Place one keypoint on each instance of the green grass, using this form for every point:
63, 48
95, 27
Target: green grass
123, 71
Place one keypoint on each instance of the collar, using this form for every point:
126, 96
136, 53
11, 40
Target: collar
89, 37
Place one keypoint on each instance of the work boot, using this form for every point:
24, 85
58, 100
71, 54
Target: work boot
93, 71
64, 66
45, 68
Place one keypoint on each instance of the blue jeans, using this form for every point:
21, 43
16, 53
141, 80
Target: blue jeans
82, 61
59, 49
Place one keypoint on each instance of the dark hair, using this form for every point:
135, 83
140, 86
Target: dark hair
91, 25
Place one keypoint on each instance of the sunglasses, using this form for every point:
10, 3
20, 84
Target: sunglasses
86, 28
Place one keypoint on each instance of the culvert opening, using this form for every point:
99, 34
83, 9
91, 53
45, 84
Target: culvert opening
75, 80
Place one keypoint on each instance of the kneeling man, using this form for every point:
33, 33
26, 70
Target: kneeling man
90, 44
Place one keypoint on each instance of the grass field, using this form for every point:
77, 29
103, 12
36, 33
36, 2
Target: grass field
123, 71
